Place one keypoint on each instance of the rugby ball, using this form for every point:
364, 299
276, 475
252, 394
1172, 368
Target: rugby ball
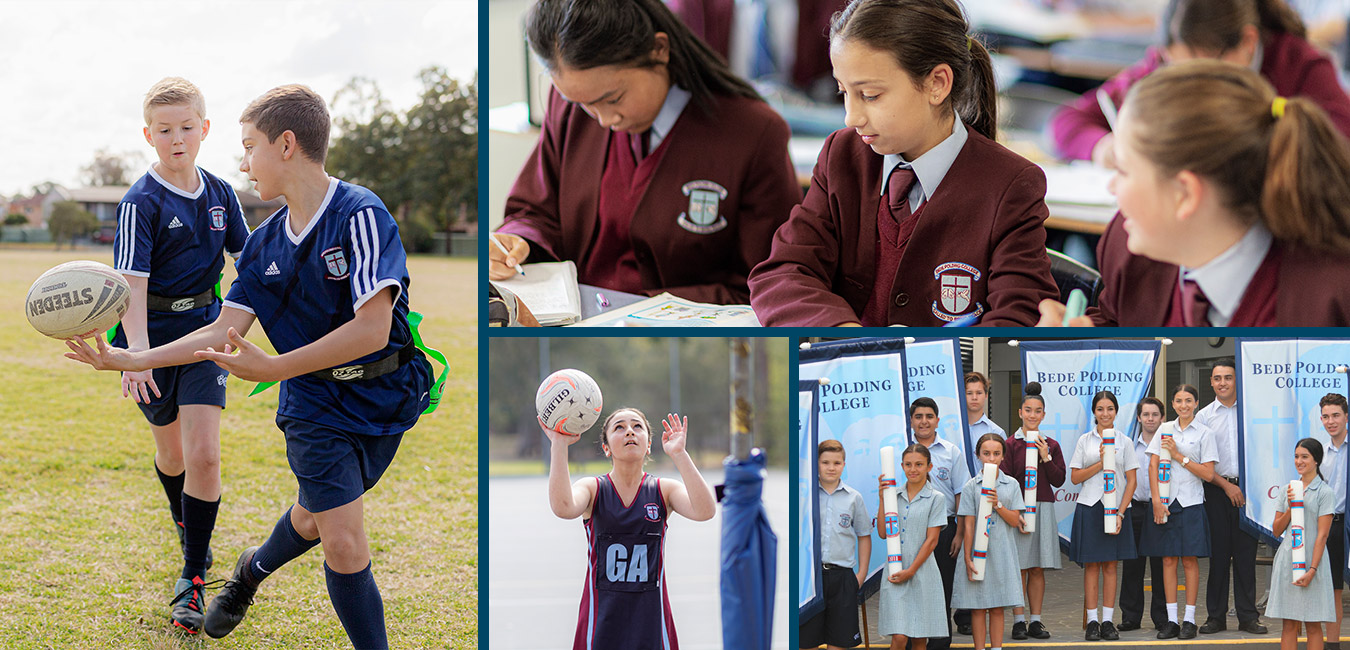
78, 299
568, 402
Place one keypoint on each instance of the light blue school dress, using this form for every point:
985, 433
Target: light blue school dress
1314, 603
1002, 584
917, 607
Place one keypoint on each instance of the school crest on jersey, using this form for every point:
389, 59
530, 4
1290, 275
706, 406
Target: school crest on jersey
845, 520
336, 261
956, 282
217, 218
704, 198
943, 473
653, 512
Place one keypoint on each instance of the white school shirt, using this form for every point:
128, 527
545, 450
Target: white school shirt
843, 519
985, 425
1196, 443
1222, 423
1142, 487
1088, 453
1333, 468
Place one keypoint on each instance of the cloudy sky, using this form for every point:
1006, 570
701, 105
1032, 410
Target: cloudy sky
73, 73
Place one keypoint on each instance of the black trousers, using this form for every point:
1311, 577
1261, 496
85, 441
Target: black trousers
1230, 547
1132, 582
947, 567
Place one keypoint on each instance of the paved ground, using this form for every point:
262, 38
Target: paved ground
536, 566
1063, 617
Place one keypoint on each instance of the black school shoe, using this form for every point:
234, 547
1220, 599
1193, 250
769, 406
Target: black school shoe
1037, 630
1094, 631
182, 544
1187, 630
227, 609
1128, 626
1109, 632
1213, 625
963, 629
186, 606
1253, 626
1019, 631
1168, 630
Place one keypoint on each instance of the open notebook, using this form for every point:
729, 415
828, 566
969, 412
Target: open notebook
550, 290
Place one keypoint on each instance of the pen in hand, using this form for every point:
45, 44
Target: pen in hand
505, 252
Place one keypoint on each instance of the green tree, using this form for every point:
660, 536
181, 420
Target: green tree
111, 169
422, 163
15, 219
68, 221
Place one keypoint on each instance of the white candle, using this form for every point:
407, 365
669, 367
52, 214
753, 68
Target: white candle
891, 515
1110, 483
1032, 478
980, 550
1165, 468
1300, 547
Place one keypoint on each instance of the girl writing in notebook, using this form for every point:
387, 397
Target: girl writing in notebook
658, 169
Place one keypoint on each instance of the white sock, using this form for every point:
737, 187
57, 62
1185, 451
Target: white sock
1106, 613
1172, 612
1190, 614
1092, 615
1019, 618
1035, 618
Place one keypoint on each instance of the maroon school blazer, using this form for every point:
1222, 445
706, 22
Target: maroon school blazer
978, 247
723, 186
1312, 289
1289, 63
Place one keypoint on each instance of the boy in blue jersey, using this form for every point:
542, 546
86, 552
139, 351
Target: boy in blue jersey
172, 226
327, 278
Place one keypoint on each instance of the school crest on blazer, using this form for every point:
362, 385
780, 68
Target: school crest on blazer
702, 216
956, 282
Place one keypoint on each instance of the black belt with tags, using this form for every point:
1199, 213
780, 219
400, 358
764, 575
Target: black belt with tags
179, 303
364, 371
1230, 479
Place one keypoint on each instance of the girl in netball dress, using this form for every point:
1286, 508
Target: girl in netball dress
1039, 549
624, 603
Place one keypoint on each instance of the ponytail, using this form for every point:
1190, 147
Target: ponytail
585, 34
921, 35
1215, 119
1306, 194
1215, 26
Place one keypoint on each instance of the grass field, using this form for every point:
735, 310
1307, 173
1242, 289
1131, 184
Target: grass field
88, 555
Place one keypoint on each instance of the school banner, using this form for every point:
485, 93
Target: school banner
933, 370
1280, 382
1070, 373
864, 407
865, 404
810, 601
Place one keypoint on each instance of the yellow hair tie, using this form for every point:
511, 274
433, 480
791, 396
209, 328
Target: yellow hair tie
1277, 107
970, 43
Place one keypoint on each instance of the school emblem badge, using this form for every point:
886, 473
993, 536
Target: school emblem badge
336, 261
653, 512
943, 473
217, 218
702, 217
956, 282
845, 520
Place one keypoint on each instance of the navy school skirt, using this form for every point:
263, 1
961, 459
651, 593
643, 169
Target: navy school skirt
1088, 541
1186, 533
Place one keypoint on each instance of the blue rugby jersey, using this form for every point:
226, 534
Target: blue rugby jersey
174, 238
301, 286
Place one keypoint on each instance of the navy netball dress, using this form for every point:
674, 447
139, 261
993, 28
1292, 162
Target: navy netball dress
624, 603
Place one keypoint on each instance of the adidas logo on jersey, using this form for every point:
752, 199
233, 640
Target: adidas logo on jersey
175, 223
272, 270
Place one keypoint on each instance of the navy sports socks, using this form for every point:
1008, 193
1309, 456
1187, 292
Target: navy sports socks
284, 545
173, 489
199, 519
357, 601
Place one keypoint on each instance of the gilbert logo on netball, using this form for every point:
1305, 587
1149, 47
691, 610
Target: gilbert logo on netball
702, 217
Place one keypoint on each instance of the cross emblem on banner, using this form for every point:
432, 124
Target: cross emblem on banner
1275, 421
